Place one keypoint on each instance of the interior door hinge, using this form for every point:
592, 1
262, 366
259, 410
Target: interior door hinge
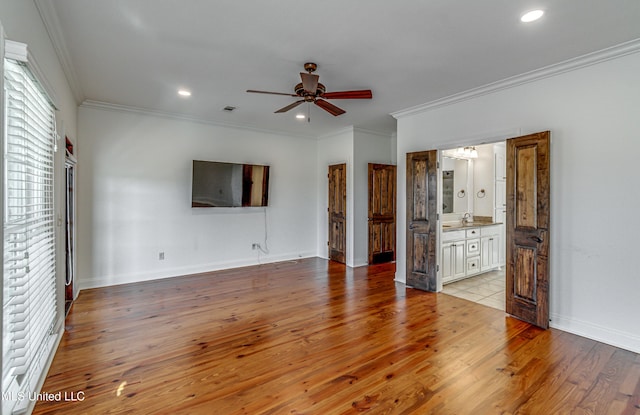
437, 164
437, 268
437, 216
327, 243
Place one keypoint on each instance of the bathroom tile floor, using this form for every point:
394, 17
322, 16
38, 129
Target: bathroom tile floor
487, 288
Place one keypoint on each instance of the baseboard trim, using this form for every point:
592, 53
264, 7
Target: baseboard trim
107, 281
617, 338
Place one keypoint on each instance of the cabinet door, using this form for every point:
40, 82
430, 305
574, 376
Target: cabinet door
501, 195
490, 252
453, 261
459, 260
485, 253
494, 260
447, 261
502, 246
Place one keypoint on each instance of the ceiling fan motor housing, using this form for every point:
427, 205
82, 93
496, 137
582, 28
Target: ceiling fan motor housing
299, 89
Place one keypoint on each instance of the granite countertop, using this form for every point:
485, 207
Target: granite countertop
457, 226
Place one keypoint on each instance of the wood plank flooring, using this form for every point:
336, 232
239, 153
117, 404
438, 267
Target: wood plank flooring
315, 337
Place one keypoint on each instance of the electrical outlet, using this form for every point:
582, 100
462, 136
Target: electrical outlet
161, 256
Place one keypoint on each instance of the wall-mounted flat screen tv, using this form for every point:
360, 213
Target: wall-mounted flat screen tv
219, 184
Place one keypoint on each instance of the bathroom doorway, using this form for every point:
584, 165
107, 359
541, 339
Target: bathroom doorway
473, 240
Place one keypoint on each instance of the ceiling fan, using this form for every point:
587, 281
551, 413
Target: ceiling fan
310, 90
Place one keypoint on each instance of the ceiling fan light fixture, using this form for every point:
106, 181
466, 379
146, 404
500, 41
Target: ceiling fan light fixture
531, 16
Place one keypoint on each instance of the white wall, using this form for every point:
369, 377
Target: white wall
368, 148
357, 148
334, 149
134, 198
592, 113
483, 178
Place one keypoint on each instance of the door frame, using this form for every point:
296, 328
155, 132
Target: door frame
343, 257
490, 138
502, 137
372, 218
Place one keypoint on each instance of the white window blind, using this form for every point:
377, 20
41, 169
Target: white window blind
29, 300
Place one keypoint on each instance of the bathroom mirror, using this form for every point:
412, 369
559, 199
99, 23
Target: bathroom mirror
457, 186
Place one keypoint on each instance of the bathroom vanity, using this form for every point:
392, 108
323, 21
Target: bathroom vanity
470, 249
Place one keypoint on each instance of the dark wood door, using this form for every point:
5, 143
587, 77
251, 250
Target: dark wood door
527, 268
382, 213
338, 212
422, 220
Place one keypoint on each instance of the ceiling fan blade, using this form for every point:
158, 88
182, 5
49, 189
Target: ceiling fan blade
290, 106
309, 82
329, 107
272, 93
361, 94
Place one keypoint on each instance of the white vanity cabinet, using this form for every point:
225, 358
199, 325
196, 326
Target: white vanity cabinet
453, 256
466, 252
490, 242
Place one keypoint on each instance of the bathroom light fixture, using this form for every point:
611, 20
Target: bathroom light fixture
467, 152
531, 16
184, 92
300, 116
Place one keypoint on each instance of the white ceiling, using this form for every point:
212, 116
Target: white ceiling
137, 53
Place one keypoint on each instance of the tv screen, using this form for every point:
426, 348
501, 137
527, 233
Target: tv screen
219, 184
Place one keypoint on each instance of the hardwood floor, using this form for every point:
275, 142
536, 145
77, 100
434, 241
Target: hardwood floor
315, 337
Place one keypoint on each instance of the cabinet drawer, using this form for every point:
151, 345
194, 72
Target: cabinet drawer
490, 230
473, 233
473, 265
473, 247
452, 236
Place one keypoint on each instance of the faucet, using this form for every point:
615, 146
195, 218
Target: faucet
465, 218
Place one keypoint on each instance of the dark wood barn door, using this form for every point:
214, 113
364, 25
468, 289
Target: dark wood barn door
382, 213
338, 212
422, 223
527, 268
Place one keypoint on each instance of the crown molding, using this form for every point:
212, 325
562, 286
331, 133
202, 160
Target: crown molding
345, 130
181, 117
569, 65
372, 132
51, 22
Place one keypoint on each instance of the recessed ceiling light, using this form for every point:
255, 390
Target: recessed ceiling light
531, 16
301, 116
184, 92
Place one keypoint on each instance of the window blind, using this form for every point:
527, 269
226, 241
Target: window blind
29, 300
